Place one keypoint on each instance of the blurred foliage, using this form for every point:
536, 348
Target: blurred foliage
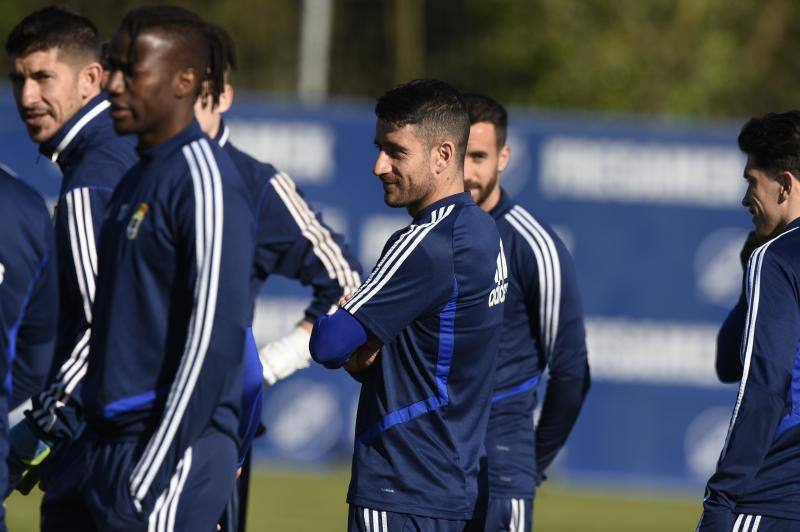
679, 57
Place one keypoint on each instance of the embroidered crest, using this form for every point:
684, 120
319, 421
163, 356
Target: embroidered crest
136, 221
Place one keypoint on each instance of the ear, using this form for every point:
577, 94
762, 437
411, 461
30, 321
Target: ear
226, 99
502, 160
787, 182
185, 83
90, 77
443, 156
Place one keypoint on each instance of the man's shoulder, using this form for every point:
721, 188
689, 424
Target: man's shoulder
104, 161
249, 166
21, 196
783, 249
519, 226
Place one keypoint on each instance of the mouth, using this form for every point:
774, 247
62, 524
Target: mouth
34, 118
118, 111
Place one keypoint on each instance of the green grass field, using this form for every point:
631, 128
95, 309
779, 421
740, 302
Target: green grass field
300, 502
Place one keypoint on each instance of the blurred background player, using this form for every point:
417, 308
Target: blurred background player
292, 241
30, 351
56, 75
28, 298
755, 486
542, 328
434, 302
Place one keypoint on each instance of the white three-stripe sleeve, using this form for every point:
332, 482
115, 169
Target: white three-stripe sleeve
208, 220
769, 345
80, 216
324, 245
548, 267
82, 245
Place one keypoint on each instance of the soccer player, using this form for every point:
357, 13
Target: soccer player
56, 75
292, 241
542, 329
755, 485
28, 298
434, 304
163, 385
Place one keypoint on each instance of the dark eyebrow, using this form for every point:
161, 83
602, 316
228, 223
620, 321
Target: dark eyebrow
477, 153
391, 146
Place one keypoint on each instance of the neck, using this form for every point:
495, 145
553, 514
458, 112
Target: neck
214, 130
446, 187
491, 200
171, 127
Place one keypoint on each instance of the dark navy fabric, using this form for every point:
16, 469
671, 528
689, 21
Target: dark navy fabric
28, 290
542, 329
92, 159
252, 396
508, 515
424, 403
176, 250
91, 491
758, 471
292, 240
729, 343
361, 519
335, 337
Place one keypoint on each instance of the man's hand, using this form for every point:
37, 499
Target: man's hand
364, 356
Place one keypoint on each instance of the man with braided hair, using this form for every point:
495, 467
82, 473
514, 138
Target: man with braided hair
163, 385
291, 241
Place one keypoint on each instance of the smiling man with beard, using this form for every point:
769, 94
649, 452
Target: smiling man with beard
432, 307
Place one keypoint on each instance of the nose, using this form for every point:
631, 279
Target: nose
382, 165
29, 93
746, 199
114, 82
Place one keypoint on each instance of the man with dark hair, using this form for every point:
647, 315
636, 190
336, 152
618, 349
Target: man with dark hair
542, 328
433, 307
756, 485
291, 241
28, 297
163, 386
56, 80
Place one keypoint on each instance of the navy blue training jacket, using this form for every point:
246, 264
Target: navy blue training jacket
92, 159
176, 251
291, 241
28, 291
434, 300
758, 471
542, 328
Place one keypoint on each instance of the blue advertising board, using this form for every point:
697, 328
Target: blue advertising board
650, 212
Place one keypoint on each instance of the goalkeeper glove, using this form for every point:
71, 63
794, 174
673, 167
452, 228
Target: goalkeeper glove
26, 451
283, 357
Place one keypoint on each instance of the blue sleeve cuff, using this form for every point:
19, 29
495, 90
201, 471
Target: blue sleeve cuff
335, 337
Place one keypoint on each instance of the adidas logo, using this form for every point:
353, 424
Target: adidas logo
498, 294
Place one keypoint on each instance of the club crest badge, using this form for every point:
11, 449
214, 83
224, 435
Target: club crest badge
136, 221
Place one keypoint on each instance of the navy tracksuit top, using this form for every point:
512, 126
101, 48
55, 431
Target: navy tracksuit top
758, 471
176, 251
542, 328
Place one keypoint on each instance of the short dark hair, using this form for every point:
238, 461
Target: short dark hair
434, 106
773, 142
197, 39
54, 27
482, 108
